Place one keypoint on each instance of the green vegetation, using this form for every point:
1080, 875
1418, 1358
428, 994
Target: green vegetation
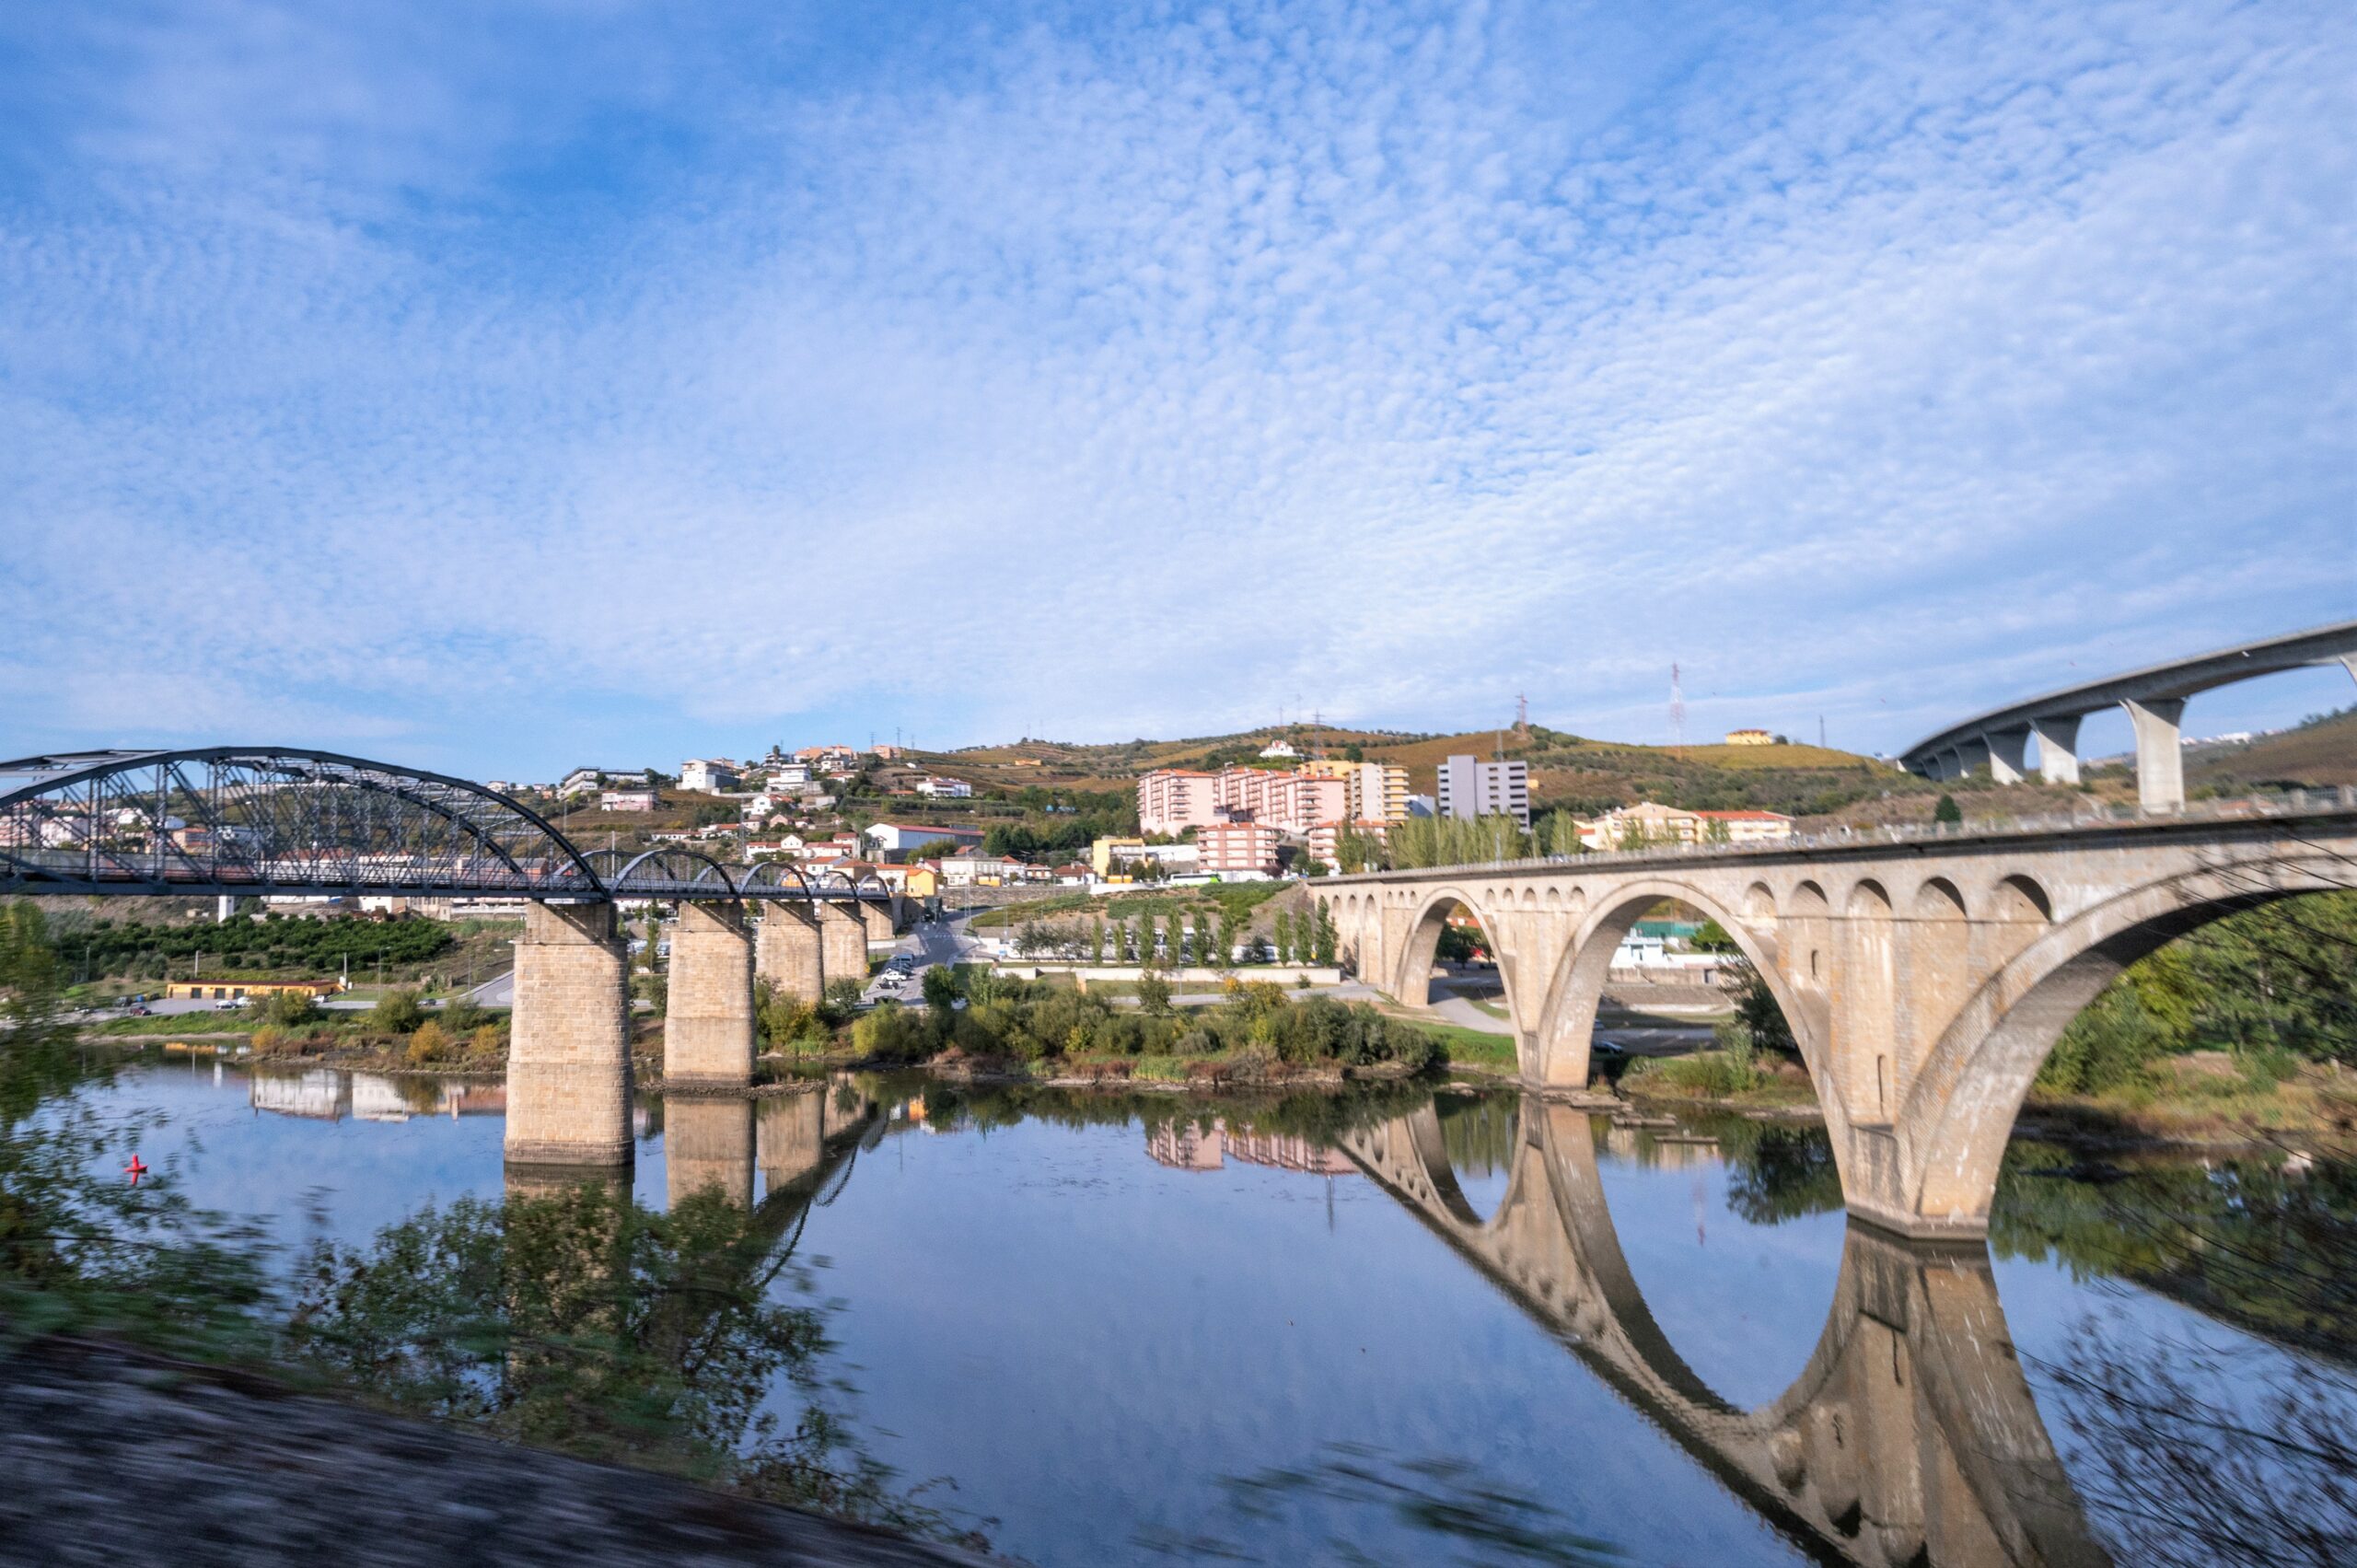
273, 944
2274, 987
1258, 1026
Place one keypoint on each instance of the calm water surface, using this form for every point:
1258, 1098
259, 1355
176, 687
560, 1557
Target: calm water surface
1089, 1318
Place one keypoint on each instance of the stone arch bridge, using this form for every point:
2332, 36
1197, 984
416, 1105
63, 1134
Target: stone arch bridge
1925, 979
1910, 1437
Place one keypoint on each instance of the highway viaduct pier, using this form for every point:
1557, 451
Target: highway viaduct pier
231, 821
1925, 979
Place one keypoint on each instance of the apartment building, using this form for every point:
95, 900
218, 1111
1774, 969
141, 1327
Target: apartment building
708, 775
628, 800
946, 789
1229, 849
1291, 803
1171, 800
1470, 787
1379, 792
1651, 822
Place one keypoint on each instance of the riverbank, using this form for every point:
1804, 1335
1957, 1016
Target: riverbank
2201, 1105
110, 1456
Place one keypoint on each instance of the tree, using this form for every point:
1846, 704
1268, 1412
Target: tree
1097, 940
1322, 937
396, 1011
1285, 938
1632, 833
1712, 937
1354, 753
941, 990
1947, 810
1154, 995
1226, 942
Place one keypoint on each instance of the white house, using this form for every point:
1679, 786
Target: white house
944, 789
628, 800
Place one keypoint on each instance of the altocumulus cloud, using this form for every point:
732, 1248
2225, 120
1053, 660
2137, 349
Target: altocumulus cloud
489, 389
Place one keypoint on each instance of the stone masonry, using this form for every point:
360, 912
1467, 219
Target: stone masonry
843, 941
708, 1021
568, 1062
787, 953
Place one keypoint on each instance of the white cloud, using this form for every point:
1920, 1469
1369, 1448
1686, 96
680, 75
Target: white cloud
1144, 377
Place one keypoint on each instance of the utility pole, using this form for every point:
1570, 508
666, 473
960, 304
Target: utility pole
1820, 732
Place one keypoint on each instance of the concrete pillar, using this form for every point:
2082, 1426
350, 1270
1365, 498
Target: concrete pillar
1971, 754
2058, 750
2160, 761
786, 955
708, 1142
568, 1063
878, 918
2008, 755
708, 1022
842, 943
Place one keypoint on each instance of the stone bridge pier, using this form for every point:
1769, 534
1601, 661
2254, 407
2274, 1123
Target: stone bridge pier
787, 953
708, 1020
1924, 980
568, 1055
843, 942
877, 918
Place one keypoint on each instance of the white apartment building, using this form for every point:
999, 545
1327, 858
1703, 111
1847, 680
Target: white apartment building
946, 789
1470, 787
789, 778
708, 775
628, 800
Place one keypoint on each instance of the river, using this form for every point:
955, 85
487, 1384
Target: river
1419, 1326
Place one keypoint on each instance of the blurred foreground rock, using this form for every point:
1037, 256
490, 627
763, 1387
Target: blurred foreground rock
110, 1458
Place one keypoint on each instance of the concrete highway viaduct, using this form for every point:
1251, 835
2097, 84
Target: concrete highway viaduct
1925, 978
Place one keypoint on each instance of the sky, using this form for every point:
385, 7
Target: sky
502, 387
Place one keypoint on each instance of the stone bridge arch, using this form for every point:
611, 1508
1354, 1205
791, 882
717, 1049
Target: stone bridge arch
1567, 1027
1959, 1110
1410, 976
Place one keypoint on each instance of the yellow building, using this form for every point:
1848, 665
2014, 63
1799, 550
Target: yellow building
1379, 792
235, 989
1100, 854
1750, 737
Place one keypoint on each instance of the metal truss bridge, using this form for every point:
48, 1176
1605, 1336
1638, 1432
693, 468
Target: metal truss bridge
286, 820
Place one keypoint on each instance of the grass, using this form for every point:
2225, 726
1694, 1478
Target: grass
240, 1022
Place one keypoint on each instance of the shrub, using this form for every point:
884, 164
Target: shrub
1194, 1042
465, 1015
429, 1044
1251, 1063
487, 1043
396, 1011
1154, 993
270, 1040
892, 1032
289, 1010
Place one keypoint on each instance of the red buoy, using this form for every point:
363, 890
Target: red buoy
136, 1170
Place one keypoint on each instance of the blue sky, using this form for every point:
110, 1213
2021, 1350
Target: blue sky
495, 388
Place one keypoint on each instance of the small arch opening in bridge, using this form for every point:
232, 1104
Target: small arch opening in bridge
1453, 963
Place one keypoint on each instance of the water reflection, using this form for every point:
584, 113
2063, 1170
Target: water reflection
1910, 1436
1908, 1432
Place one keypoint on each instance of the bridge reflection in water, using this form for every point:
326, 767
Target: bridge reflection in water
1910, 1437
1911, 1434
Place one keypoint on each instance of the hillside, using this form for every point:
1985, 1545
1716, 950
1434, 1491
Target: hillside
1566, 769
2322, 751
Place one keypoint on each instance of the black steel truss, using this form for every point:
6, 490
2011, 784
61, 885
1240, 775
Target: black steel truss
280, 821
